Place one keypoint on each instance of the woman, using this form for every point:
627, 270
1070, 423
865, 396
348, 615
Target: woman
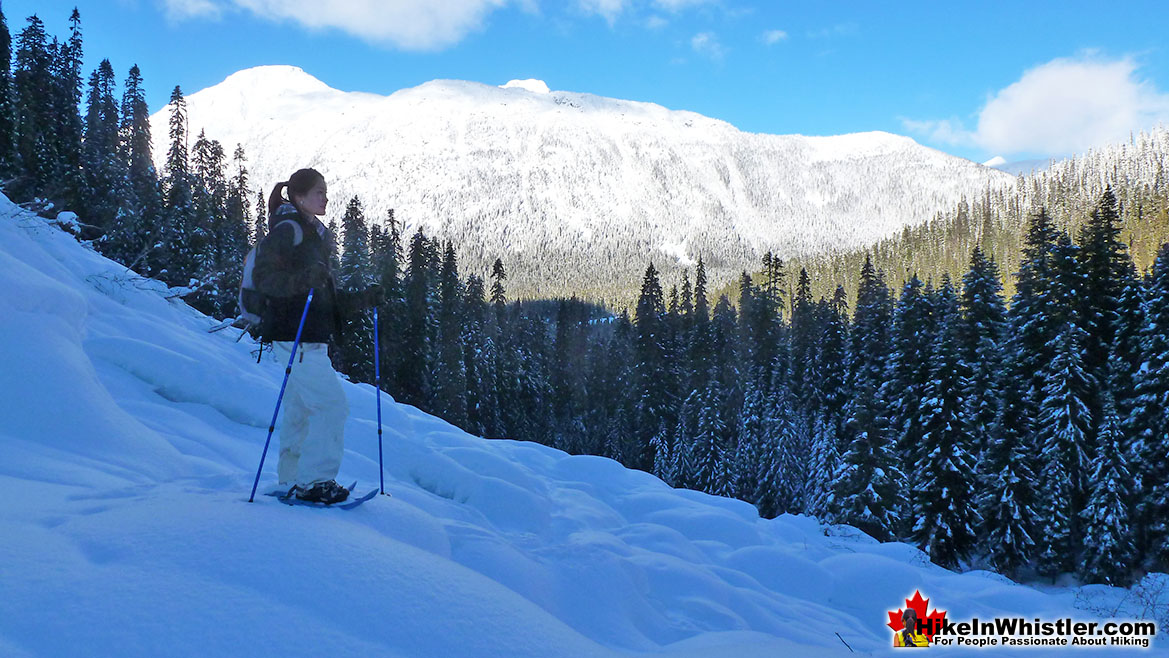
910, 635
291, 260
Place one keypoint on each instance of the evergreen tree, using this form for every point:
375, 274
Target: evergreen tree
653, 409
527, 370
752, 448
1128, 353
67, 124
498, 293
680, 464
34, 86
7, 102
450, 377
708, 454
567, 375
178, 239
1034, 310
417, 334
802, 340
763, 314
828, 399
905, 382
686, 309
1007, 499
141, 226
386, 257
865, 481
783, 470
1064, 421
105, 171
865, 484
356, 269
699, 351
944, 503
1108, 546
356, 274
610, 387
260, 229
215, 243
1105, 264
984, 319
830, 367
1149, 422
238, 209
479, 356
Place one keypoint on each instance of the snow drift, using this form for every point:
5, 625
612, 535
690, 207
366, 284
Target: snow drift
129, 442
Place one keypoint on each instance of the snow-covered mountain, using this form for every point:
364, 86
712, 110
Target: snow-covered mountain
131, 435
575, 192
1019, 167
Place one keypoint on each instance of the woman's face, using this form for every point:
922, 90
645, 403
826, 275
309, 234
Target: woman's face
315, 200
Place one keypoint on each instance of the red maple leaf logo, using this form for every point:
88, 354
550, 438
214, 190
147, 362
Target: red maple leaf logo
929, 624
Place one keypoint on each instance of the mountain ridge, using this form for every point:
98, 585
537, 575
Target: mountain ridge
577, 193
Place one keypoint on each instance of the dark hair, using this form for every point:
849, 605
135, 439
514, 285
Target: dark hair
907, 631
297, 184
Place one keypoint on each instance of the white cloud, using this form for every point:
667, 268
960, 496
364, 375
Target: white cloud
177, 10
1067, 105
947, 131
706, 43
405, 24
772, 37
679, 5
609, 9
656, 22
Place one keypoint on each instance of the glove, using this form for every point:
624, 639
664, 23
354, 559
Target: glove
317, 275
373, 296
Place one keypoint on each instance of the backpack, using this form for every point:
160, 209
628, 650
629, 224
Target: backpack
253, 304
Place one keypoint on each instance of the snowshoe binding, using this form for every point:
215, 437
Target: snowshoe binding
326, 493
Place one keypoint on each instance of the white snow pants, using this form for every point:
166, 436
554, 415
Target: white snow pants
312, 427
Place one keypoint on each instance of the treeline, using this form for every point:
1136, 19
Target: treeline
1031, 439
996, 220
189, 225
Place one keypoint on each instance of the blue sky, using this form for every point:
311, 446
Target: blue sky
977, 79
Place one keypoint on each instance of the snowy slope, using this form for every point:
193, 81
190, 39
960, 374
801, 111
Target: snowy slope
577, 193
128, 447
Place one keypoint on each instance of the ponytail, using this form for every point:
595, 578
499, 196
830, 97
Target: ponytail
297, 184
276, 199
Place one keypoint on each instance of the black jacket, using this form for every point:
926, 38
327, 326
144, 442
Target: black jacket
284, 272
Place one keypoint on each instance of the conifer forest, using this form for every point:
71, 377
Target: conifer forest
992, 387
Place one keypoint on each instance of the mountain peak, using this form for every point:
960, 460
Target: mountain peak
277, 77
534, 86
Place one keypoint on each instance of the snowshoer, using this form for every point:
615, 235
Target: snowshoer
291, 260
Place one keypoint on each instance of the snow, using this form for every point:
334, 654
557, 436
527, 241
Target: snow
996, 161
521, 172
534, 86
127, 453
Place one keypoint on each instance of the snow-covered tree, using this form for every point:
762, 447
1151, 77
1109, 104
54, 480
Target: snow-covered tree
1108, 544
1064, 422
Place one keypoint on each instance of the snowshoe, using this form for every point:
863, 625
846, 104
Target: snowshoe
327, 493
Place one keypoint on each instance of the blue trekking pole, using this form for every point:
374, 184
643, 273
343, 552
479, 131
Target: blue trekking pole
287, 372
377, 375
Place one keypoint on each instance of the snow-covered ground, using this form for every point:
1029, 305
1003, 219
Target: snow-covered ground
130, 437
